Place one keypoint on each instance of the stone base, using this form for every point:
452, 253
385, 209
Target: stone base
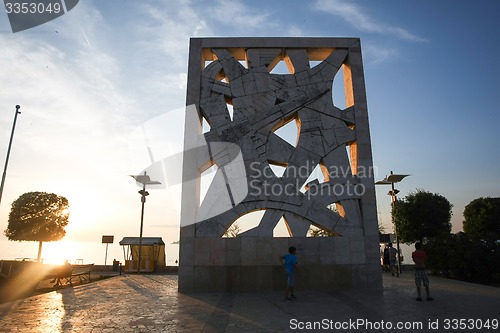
273, 278
253, 264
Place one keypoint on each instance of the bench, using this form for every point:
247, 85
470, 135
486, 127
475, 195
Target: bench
82, 272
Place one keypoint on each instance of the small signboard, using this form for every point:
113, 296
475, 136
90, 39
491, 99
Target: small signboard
107, 239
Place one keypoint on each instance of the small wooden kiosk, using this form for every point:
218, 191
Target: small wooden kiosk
152, 253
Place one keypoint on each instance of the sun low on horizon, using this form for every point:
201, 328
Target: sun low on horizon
57, 252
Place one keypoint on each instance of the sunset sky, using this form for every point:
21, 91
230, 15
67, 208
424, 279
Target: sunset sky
108, 79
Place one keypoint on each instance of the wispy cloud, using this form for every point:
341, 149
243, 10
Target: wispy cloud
76, 113
359, 19
376, 54
173, 23
236, 13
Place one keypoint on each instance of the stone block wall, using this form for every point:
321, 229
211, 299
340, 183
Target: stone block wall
252, 264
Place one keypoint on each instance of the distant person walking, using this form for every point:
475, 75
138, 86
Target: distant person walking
386, 259
419, 258
393, 254
290, 264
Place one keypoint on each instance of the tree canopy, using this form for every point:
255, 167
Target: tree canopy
233, 231
38, 216
422, 215
482, 219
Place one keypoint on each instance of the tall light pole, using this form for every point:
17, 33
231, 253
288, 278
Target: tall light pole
143, 179
390, 180
8, 151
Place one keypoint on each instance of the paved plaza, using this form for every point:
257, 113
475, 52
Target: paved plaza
151, 303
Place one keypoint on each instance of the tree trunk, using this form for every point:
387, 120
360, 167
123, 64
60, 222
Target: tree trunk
39, 251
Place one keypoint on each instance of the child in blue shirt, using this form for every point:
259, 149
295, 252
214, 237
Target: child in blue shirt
290, 264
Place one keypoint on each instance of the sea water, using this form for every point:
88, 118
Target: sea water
76, 252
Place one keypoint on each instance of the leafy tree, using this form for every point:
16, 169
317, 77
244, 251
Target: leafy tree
38, 216
232, 231
482, 219
318, 232
461, 257
422, 215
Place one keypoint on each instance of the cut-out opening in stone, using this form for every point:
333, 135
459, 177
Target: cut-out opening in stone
333, 207
316, 174
281, 229
230, 109
338, 90
348, 150
206, 179
339, 209
314, 63
280, 68
319, 54
233, 231
221, 76
289, 132
325, 171
277, 169
318, 232
248, 221
205, 126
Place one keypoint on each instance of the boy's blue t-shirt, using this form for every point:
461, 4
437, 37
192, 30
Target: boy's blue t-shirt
289, 263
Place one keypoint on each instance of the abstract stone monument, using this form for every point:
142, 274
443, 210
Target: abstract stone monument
236, 104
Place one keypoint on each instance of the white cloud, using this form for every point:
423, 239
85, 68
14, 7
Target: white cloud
82, 91
295, 31
174, 24
234, 12
71, 136
377, 54
360, 20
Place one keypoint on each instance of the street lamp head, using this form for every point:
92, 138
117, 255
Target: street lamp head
396, 178
392, 178
145, 179
393, 193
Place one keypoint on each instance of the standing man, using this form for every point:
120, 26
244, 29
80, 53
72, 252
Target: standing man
386, 259
290, 264
419, 257
393, 259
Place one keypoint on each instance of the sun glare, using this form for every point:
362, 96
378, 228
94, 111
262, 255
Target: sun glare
65, 211
56, 252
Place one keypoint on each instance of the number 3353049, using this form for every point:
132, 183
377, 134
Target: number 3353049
32, 7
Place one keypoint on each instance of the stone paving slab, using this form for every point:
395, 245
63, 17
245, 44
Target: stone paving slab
151, 303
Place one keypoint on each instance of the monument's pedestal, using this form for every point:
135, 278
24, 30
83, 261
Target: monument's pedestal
253, 264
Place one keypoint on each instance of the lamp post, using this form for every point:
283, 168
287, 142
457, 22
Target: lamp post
390, 180
143, 179
8, 150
